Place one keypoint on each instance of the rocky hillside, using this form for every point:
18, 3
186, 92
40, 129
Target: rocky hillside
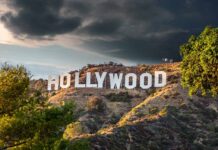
169, 119
158, 118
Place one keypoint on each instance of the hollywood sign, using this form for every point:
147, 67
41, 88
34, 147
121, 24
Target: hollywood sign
117, 80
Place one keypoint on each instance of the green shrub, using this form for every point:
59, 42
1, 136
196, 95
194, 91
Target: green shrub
72, 130
35, 128
81, 144
95, 104
153, 110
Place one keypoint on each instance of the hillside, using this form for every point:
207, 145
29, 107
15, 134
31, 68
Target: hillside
167, 120
158, 118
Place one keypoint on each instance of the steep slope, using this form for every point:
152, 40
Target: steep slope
187, 124
176, 122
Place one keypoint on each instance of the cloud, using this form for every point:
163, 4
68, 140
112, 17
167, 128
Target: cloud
143, 49
39, 18
134, 30
103, 27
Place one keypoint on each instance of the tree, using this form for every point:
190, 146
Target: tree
199, 67
29, 122
14, 82
32, 127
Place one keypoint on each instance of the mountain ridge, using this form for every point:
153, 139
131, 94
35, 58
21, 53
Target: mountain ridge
158, 118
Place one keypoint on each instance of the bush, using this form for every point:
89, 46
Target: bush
81, 144
120, 97
95, 104
73, 130
35, 128
153, 110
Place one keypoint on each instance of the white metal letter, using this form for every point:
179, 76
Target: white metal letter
62, 85
88, 81
53, 80
127, 80
142, 80
100, 79
115, 80
157, 82
77, 84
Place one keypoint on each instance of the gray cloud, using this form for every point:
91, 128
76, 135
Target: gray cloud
103, 27
142, 49
39, 18
137, 30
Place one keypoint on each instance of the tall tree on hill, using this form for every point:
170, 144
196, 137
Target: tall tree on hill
199, 67
25, 122
14, 82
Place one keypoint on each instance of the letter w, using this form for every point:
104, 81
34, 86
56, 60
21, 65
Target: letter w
115, 80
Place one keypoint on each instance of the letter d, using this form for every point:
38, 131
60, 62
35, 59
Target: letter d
163, 76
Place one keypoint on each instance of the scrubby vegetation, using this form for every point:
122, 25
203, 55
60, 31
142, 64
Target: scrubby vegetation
119, 97
72, 130
78, 144
95, 104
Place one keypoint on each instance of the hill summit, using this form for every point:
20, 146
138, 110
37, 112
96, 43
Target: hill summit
157, 118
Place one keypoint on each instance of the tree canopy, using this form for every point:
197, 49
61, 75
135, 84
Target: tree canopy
14, 82
25, 121
199, 67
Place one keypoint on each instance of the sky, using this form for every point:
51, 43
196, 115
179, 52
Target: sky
56, 36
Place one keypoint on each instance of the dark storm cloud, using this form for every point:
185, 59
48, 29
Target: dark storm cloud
103, 27
151, 49
78, 7
39, 18
137, 30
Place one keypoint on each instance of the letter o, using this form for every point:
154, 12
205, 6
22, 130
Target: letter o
127, 80
142, 80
